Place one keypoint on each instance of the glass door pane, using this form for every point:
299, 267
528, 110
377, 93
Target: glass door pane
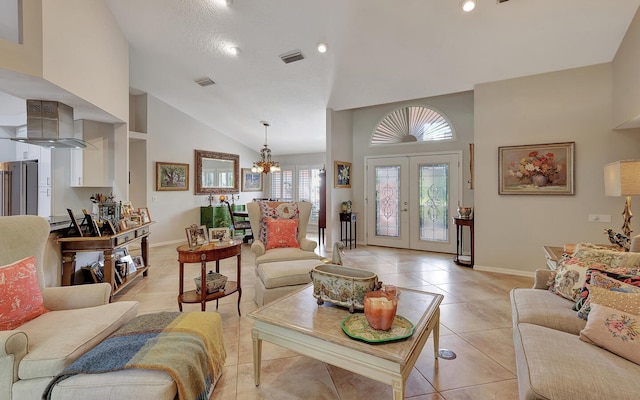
387, 219
434, 202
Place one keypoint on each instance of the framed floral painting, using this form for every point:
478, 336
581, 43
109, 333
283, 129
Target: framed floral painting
342, 172
536, 169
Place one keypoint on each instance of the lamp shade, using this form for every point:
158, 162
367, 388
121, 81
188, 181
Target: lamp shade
622, 178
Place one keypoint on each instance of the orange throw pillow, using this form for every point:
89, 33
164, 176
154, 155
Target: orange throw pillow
282, 233
21, 298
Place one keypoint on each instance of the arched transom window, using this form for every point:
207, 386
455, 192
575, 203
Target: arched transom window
412, 124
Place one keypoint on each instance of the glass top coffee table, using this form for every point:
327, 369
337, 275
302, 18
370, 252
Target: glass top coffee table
298, 323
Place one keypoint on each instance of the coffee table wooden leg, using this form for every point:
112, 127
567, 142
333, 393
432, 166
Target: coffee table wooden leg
257, 356
398, 388
436, 336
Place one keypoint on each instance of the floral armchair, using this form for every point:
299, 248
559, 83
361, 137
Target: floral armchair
279, 230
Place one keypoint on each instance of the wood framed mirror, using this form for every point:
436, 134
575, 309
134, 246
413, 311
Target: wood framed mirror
216, 173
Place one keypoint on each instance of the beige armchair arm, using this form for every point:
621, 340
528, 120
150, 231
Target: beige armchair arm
308, 245
258, 247
541, 278
73, 297
13, 347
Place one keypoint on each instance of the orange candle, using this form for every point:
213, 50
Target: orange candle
380, 309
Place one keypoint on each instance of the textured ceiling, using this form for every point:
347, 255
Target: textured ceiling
379, 52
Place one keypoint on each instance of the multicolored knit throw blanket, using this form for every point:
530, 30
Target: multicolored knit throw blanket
188, 346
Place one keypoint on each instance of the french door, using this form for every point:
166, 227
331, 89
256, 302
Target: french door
411, 199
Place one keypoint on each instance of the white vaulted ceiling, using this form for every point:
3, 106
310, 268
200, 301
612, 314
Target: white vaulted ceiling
380, 51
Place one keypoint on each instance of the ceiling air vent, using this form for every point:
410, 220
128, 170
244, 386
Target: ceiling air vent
292, 56
205, 82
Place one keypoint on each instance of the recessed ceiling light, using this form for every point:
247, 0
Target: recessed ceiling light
235, 50
468, 5
322, 47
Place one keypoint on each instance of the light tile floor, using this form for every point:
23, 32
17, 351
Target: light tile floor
475, 324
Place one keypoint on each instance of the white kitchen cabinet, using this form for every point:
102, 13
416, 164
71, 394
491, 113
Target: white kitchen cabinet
25, 151
44, 167
44, 201
94, 165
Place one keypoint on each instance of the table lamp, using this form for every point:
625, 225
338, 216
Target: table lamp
622, 178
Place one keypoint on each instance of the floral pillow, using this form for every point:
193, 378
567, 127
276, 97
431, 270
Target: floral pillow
287, 210
598, 277
282, 233
614, 330
570, 276
592, 254
21, 299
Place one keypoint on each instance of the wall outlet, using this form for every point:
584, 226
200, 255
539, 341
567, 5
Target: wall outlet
599, 218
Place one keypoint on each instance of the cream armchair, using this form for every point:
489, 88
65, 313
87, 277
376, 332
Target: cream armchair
79, 317
307, 246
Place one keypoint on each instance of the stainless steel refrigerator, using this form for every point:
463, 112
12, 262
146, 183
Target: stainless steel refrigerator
19, 188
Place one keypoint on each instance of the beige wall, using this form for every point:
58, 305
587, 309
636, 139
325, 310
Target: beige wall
25, 58
626, 84
173, 137
565, 106
457, 107
339, 148
85, 53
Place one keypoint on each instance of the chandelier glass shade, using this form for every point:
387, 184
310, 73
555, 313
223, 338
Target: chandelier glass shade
265, 164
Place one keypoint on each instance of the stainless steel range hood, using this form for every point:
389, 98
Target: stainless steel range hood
50, 124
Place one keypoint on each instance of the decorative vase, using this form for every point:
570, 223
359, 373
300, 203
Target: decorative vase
539, 180
380, 309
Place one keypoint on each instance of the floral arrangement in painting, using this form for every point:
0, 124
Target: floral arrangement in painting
536, 168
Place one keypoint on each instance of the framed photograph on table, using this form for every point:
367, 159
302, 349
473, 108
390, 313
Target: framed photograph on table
536, 169
172, 176
144, 214
138, 261
251, 181
219, 234
342, 174
197, 235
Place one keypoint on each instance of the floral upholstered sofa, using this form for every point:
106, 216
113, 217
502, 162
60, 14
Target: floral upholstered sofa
577, 331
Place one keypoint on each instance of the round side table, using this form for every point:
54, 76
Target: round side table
203, 254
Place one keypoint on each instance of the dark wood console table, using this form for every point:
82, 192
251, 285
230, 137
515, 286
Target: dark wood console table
107, 244
460, 259
347, 222
202, 255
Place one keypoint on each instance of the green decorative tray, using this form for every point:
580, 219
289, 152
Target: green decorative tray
357, 327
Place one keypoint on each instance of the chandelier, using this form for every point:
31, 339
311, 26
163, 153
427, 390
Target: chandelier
265, 165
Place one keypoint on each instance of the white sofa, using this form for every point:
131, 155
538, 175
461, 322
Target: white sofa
79, 318
552, 362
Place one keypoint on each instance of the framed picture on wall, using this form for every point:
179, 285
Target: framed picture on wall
251, 181
536, 169
172, 176
342, 172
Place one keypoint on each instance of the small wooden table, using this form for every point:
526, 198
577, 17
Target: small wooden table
347, 221
203, 254
107, 244
459, 258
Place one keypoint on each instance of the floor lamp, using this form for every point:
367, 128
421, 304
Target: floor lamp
622, 178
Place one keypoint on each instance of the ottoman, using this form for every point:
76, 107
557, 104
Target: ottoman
159, 347
276, 279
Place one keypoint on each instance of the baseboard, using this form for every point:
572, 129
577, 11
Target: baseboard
528, 274
153, 244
